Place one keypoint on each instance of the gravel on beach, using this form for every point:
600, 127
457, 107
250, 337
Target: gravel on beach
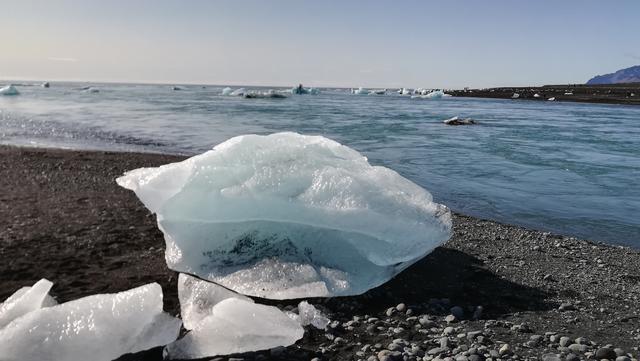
493, 292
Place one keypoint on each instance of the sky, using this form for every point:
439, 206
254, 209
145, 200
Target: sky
443, 44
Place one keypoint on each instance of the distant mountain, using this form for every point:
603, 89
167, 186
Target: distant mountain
628, 75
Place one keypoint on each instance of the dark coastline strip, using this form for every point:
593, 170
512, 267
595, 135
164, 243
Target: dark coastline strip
62, 217
627, 94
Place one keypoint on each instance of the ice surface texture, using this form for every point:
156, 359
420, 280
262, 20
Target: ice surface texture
235, 326
289, 216
97, 328
197, 298
25, 300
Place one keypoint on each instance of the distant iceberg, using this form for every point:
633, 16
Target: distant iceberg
289, 216
270, 94
360, 91
436, 94
301, 90
238, 92
226, 91
9, 90
98, 328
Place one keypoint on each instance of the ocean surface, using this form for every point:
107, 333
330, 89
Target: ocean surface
569, 168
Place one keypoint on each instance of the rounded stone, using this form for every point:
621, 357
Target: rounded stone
606, 353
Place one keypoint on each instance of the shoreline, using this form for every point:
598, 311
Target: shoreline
622, 94
63, 217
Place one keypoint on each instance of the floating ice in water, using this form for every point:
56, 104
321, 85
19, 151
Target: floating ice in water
97, 328
9, 90
515, 96
436, 94
309, 315
289, 216
45, 84
197, 298
552, 99
359, 91
378, 92
226, 91
536, 95
238, 92
301, 90
235, 326
25, 300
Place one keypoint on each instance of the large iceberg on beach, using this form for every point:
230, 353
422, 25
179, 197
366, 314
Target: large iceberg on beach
289, 216
25, 300
236, 326
98, 328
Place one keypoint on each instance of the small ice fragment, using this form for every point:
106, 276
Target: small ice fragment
226, 91
515, 96
536, 95
98, 328
197, 298
309, 315
552, 99
238, 92
25, 300
9, 90
45, 84
457, 121
236, 326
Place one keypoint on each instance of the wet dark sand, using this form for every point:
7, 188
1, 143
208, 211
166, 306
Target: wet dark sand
610, 94
62, 217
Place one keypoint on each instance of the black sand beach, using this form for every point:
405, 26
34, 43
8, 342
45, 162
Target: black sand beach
628, 94
62, 217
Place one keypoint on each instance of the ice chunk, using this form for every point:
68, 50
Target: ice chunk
9, 90
197, 298
309, 315
226, 91
236, 326
289, 216
359, 91
515, 96
436, 94
97, 328
25, 300
238, 92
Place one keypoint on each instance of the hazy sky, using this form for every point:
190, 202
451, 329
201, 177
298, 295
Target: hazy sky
319, 43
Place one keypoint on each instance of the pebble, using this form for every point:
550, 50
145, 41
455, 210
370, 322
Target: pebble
578, 348
550, 357
606, 353
572, 357
450, 319
401, 307
505, 350
566, 307
565, 341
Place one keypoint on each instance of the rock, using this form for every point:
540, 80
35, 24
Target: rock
401, 307
448, 331
582, 341
572, 357
535, 339
476, 357
458, 312
619, 351
450, 319
436, 351
623, 358
387, 355
550, 357
565, 341
505, 350
578, 348
606, 353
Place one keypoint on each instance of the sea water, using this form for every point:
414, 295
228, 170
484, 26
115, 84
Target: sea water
569, 168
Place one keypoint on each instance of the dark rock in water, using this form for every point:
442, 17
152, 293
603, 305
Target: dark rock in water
628, 75
457, 121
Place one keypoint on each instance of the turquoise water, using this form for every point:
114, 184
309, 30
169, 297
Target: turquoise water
569, 168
